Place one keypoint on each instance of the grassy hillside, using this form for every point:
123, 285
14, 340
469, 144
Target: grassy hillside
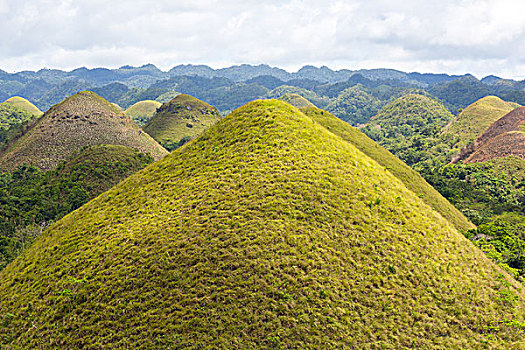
476, 118
296, 100
142, 111
409, 177
504, 138
84, 119
180, 120
31, 199
11, 115
268, 231
24, 104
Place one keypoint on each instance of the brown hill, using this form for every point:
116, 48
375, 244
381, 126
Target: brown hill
84, 119
476, 118
502, 139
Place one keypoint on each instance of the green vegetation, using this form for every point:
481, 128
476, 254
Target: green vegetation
354, 105
181, 120
503, 240
410, 128
142, 111
319, 101
492, 195
483, 192
412, 180
267, 231
296, 100
24, 104
84, 119
461, 92
30, 199
476, 118
167, 96
11, 115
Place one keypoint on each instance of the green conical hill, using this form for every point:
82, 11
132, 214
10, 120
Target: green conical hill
476, 118
24, 104
180, 120
296, 100
142, 111
84, 119
267, 231
409, 177
413, 110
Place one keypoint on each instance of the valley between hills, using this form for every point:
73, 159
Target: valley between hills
249, 207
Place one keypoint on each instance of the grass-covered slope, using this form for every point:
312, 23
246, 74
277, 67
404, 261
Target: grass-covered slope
180, 120
84, 119
504, 138
24, 104
142, 111
31, 199
409, 177
100, 167
296, 100
476, 118
11, 115
268, 231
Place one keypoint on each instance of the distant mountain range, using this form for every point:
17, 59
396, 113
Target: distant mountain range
229, 88
140, 76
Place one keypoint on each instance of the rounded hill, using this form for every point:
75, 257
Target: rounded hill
476, 118
142, 111
180, 120
84, 119
11, 115
296, 100
24, 104
267, 231
410, 112
505, 137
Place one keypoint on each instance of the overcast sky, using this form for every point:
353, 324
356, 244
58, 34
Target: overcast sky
451, 36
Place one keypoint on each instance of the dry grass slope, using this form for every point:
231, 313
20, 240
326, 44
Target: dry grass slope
24, 104
180, 120
84, 119
409, 177
268, 231
296, 100
476, 118
142, 111
504, 138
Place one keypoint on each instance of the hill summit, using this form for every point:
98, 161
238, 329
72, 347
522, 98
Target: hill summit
504, 138
84, 119
180, 120
142, 111
267, 231
476, 118
24, 104
296, 100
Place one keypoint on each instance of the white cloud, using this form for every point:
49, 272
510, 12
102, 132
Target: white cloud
481, 36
